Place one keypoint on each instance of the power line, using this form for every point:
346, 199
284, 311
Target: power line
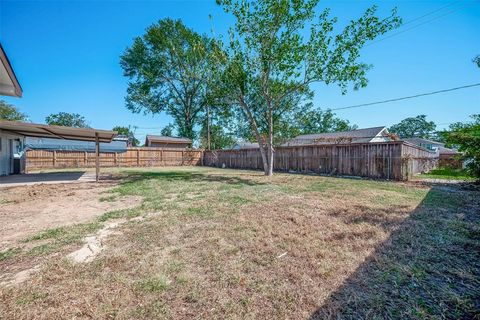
430, 13
419, 24
407, 97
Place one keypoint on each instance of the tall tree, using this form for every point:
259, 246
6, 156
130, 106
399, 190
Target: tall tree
128, 132
277, 49
168, 130
314, 120
417, 126
10, 112
466, 136
67, 119
168, 71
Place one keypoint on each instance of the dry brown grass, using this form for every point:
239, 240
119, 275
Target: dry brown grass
234, 244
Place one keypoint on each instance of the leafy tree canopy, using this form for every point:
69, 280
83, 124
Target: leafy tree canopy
417, 126
314, 120
466, 136
11, 113
219, 137
66, 119
277, 49
127, 131
168, 130
168, 70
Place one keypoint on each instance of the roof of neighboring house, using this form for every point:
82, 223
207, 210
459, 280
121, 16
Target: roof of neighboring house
166, 139
9, 85
358, 136
443, 150
244, 145
419, 141
57, 132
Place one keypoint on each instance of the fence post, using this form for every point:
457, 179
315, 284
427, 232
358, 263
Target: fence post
138, 157
54, 158
115, 159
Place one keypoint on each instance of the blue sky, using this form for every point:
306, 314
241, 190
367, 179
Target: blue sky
66, 57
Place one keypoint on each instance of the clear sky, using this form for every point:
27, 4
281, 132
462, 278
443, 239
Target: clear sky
66, 57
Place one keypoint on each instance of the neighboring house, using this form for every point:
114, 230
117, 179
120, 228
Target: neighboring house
244, 145
426, 143
447, 157
367, 135
11, 144
167, 142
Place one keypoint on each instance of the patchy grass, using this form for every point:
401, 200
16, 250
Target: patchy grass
9, 253
4, 201
235, 244
448, 174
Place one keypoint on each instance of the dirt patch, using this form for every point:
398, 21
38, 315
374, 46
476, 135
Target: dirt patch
94, 244
24, 211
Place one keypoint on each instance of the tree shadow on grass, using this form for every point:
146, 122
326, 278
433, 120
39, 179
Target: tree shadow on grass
183, 176
428, 268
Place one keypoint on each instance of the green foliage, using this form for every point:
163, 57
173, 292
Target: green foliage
127, 131
219, 138
10, 112
466, 136
66, 119
277, 49
414, 127
168, 130
168, 70
311, 120
476, 60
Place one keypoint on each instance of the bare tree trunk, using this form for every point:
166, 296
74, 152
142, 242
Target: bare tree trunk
208, 128
269, 172
260, 141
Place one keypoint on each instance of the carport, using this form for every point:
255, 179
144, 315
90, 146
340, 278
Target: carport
24, 129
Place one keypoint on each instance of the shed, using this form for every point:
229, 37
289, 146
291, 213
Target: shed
167, 142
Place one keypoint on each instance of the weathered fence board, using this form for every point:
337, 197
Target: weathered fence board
384, 160
133, 157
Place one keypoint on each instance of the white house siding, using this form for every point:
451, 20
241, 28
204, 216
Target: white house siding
6, 152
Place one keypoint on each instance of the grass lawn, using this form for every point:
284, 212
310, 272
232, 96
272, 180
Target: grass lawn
447, 174
234, 244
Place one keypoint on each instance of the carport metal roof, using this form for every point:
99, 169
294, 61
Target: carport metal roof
45, 131
58, 132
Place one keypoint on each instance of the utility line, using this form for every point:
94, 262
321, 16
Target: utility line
417, 25
430, 13
407, 97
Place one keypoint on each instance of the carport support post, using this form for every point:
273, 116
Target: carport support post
97, 157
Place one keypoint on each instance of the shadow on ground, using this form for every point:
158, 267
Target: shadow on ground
45, 177
185, 176
428, 268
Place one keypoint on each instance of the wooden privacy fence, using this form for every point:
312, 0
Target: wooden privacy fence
385, 160
133, 157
